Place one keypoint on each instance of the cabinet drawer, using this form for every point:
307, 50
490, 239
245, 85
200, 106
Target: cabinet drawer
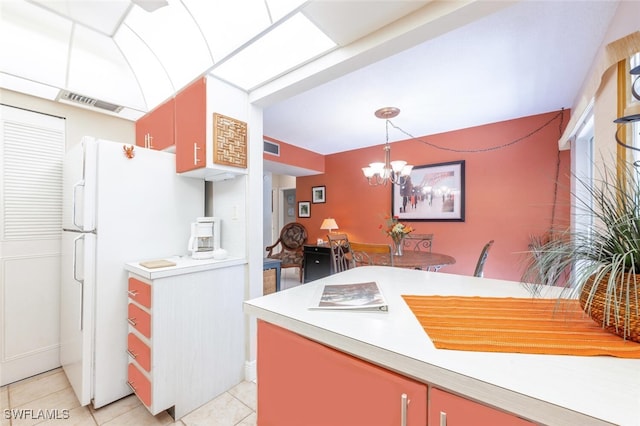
453, 410
140, 292
140, 384
139, 351
139, 319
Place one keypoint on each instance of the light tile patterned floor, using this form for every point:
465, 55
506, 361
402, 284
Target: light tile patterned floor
52, 393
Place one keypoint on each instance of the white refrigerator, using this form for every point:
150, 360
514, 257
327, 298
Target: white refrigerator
118, 206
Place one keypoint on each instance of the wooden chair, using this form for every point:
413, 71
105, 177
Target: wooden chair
339, 244
293, 237
479, 272
370, 254
418, 242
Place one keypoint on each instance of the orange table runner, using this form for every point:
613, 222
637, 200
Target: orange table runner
524, 325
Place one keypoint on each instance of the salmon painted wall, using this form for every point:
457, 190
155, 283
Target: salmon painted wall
295, 156
509, 191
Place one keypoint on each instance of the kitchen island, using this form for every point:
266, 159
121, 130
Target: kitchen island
517, 388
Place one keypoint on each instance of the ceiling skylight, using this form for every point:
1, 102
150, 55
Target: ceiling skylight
290, 44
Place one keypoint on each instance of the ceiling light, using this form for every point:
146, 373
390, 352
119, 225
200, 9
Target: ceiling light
286, 46
390, 171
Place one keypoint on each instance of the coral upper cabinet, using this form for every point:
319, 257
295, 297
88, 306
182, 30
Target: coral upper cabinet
191, 126
311, 384
156, 130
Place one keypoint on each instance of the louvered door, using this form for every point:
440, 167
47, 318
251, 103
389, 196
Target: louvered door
31, 154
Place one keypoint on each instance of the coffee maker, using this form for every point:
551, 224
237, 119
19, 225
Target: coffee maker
205, 237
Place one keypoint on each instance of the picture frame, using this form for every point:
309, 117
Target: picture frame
304, 209
319, 194
432, 192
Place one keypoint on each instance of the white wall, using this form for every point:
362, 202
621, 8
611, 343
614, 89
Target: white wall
79, 122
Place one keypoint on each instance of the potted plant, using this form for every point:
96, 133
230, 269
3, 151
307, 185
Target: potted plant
397, 231
599, 265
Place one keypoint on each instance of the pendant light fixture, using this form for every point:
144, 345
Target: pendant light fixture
396, 172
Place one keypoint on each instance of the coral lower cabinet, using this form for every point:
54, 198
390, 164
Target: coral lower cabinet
446, 409
312, 384
185, 341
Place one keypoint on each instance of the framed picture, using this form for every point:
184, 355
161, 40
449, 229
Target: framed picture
433, 192
304, 209
318, 194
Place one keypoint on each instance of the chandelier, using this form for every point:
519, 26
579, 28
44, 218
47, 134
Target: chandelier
395, 172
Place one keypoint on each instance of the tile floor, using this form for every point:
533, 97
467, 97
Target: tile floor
52, 393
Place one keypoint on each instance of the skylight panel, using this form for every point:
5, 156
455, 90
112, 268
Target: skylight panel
34, 43
95, 58
279, 8
288, 45
171, 34
151, 76
228, 25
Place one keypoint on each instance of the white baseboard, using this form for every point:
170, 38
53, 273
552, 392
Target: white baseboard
250, 371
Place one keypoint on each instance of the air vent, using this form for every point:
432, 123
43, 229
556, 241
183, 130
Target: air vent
272, 148
87, 101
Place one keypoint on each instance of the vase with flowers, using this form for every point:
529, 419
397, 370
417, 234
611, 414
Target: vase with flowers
397, 231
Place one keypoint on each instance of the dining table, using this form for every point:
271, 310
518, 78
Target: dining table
416, 259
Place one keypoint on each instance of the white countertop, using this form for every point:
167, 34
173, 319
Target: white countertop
184, 265
549, 389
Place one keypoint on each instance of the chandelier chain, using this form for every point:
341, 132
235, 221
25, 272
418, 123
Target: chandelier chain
493, 148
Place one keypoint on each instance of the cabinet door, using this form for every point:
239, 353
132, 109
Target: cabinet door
156, 129
446, 409
191, 127
301, 382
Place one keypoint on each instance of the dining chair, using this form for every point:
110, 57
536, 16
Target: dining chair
479, 272
418, 242
339, 244
293, 237
370, 254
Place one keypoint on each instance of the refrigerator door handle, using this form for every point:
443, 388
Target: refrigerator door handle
73, 201
75, 277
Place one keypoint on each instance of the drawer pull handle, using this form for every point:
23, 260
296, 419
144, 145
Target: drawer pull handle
131, 354
443, 418
133, 388
132, 321
133, 293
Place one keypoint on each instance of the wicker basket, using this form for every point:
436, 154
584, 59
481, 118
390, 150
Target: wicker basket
626, 321
268, 281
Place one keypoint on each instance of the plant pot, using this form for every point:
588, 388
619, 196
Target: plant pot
618, 313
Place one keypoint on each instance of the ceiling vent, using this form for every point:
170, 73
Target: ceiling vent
271, 148
87, 101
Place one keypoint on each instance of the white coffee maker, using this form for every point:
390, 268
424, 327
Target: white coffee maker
205, 237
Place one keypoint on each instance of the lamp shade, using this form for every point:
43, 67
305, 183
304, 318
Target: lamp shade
329, 223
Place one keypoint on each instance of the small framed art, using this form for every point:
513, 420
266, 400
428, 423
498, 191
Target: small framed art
304, 209
319, 194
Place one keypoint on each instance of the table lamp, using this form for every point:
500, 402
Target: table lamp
330, 224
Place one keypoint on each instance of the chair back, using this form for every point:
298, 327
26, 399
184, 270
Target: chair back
339, 244
418, 242
293, 236
370, 254
479, 272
